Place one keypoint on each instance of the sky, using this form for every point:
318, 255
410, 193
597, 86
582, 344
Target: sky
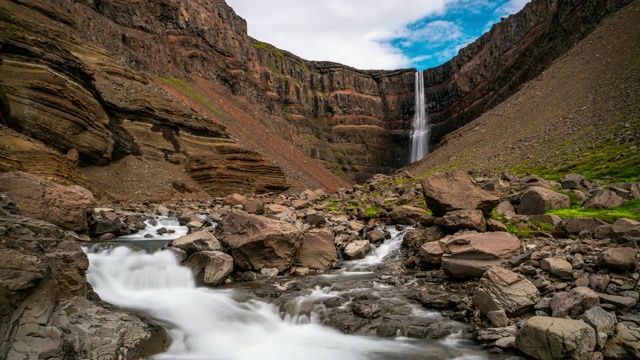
373, 34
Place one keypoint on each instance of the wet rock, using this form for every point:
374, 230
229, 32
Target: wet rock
257, 242
454, 221
574, 302
456, 191
64, 206
618, 259
538, 200
197, 241
356, 249
367, 309
604, 200
416, 238
409, 215
470, 254
600, 319
212, 267
317, 250
501, 289
557, 266
377, 236
548, 338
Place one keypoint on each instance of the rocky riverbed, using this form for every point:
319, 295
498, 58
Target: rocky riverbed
558, 289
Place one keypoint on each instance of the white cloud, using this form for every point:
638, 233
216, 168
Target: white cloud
355, 32
511, 7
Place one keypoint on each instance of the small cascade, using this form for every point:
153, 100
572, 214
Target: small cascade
420, 124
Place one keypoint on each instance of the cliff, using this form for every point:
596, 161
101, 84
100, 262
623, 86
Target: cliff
173, 81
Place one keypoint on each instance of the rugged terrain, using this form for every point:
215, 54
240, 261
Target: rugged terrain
580, 115
181, 87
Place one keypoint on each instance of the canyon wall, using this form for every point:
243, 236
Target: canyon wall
101, 68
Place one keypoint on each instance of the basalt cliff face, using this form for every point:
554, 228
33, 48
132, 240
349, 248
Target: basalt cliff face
180, 82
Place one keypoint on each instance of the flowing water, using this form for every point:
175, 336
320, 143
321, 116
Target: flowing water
420, 124
233, 323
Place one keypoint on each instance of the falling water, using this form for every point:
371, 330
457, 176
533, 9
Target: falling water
420, 125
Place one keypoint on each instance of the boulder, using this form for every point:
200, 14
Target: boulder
377, 236
572, 181
409, 215
211, 267
600, 320
505, 207
279, 212
621, 231
234, 200
317, 251
547, 338
557, 266
604, 200
414, 239
356, 249
254, 206
574, 302
457, 220
197, 241
622, 303
502, 289
618, 259
257, 242
64, 206
456, 191
575, 226
470, 254
538, 200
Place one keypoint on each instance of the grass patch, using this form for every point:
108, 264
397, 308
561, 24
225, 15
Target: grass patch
188, 90
629, 210
372, 211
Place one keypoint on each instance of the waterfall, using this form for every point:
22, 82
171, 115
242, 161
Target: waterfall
420, 124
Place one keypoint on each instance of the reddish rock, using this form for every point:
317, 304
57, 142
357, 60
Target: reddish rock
409, 215
317, 251
456, 191
501, 289
538, 200
65, 206
618, 259
454, 221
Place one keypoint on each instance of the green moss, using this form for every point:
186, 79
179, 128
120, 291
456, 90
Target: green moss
372, 211
629, 210
189, 91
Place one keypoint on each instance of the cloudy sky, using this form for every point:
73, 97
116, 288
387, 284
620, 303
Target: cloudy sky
373, 34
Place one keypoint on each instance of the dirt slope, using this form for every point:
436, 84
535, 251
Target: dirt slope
581, 114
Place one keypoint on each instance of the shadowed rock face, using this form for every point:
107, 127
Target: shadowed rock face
76, 75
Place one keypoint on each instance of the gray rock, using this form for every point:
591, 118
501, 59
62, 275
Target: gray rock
599, 282
498, 318
600, 319
575, 226
625, 343
501, 289
547, 338
572, 181
538, 200
505, 207
574, 302
604, 200
269, 272
620, 302
618, 259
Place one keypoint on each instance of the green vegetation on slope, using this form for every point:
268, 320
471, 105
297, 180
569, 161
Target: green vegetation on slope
629, 210
188, 90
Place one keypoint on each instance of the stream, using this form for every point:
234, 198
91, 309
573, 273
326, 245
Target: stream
274, 318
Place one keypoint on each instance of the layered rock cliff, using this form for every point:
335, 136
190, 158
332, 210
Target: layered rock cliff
177, 80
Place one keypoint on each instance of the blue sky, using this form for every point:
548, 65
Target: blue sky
373, 34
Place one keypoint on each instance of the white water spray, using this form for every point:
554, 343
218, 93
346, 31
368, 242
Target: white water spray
420, 124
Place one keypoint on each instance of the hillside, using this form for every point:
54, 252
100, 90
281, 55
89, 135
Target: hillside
581, 115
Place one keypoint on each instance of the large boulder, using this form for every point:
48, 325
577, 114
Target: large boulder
538, 200
604, 200
621, 231
577, 225
618, 259
502, 289
547, 338
414, 239
409, 215
470, 254
456, 191
318, 250
64, 206
258, 242
454, 221
197, 241
356, 249
211, 267
600, 319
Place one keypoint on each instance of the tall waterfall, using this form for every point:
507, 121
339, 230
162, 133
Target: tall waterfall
420, 125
